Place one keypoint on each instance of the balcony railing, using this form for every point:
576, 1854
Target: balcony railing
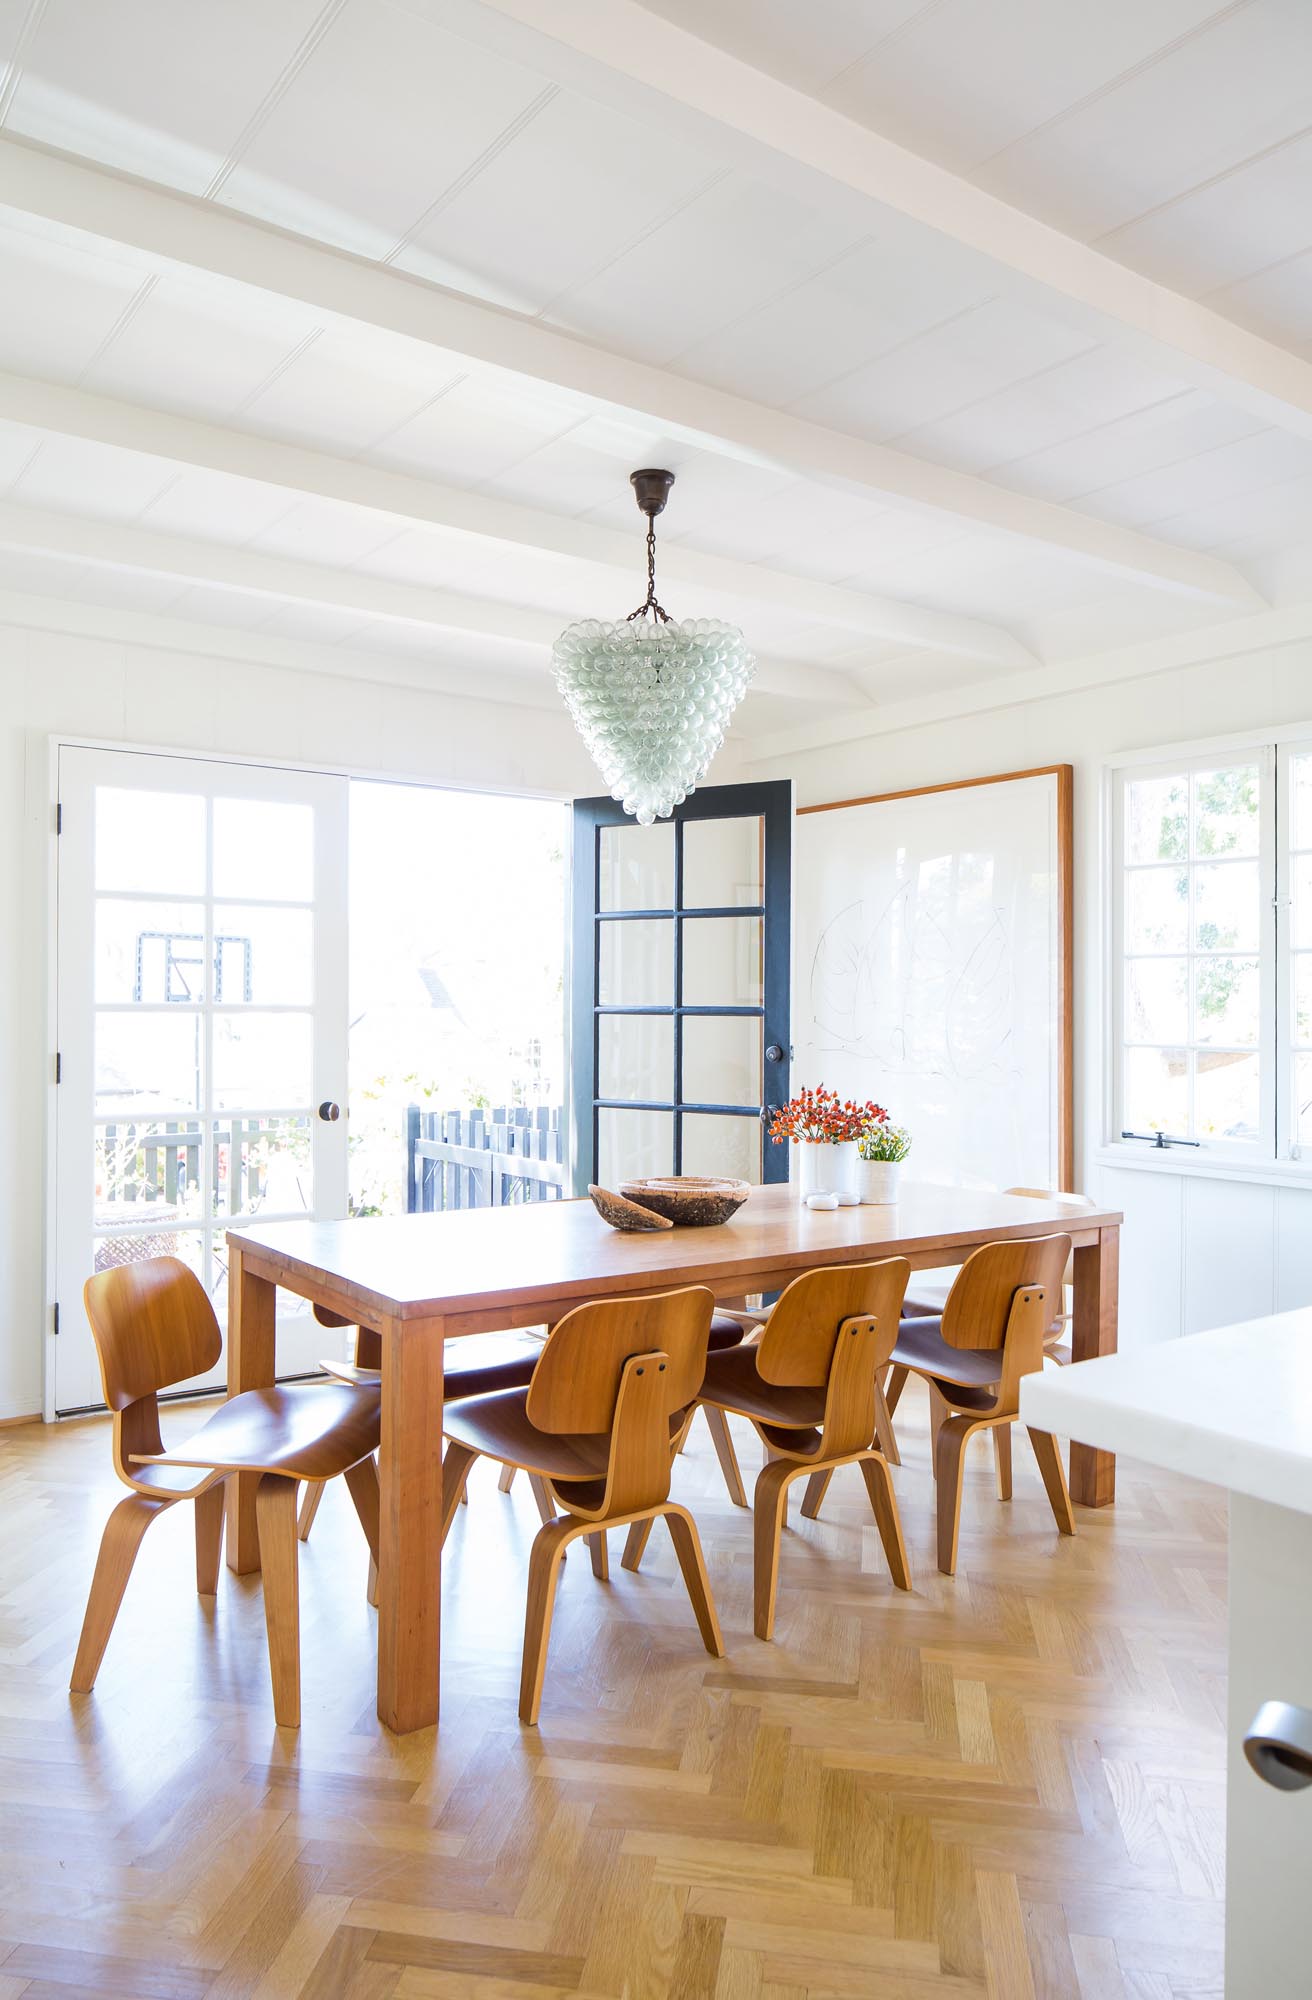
482, 1159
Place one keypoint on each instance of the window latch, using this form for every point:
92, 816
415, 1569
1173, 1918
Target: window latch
1161, 1140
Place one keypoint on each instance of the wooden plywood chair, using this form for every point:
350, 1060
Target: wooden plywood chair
153, 1326
810, 1387
991, 1335
595, 1425
927, 1296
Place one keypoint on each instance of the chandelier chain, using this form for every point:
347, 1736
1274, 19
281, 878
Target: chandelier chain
650, 602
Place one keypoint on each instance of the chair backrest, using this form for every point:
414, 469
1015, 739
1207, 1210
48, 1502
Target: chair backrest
1072, 1201
979, 1305
797, 1347
576, 1381
153, 1325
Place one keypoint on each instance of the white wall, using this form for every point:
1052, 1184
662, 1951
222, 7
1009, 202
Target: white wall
1195, 1252
56, 684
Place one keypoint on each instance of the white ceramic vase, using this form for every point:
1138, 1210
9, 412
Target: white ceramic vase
827, 1169
877, 1181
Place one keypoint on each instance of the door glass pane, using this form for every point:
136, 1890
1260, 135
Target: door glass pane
727, 1146
1157, 1091
1227, 1103
1157, 819
635, 1056
1303, 899
263, 954
1300, 782
262, 1164
1156, 909
636, 868
148, 1062
188, 1244
264, 848
1303, 1099
635, 966
631, 1144
1226, 1001
150, 841
262, 1059
722, 962
721, 863
149, 952
1226, 906
1157, 1000
147, 1175
722, 1059
1226, 811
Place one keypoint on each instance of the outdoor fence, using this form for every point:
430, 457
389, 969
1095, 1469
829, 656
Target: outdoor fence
482, 1159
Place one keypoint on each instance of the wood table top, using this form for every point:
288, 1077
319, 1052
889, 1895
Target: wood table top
470, 1261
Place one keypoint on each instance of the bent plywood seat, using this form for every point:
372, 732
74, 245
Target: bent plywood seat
609, 1394
810, 1387
153, 1326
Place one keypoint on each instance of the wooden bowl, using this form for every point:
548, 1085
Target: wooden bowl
622, 1214
689, 1200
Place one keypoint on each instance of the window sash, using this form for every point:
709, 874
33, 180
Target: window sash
1274, 1085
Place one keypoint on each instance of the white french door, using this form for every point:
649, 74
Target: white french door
202, 1020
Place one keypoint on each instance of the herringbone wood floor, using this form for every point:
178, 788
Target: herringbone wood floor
1007, 1784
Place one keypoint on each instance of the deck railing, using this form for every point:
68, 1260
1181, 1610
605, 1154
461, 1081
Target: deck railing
482, 1159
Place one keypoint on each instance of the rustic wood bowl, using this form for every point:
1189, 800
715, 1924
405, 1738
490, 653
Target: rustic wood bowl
622, 1214
689, 1200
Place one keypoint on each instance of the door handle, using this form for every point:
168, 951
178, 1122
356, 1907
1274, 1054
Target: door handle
774, 1053
1278, 1745
329, 1111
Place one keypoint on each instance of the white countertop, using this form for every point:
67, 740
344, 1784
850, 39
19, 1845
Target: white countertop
1233, 1406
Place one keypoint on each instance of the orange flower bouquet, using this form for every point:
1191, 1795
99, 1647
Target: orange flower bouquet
825, 1129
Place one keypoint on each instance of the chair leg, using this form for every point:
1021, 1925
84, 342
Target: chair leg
600, 1554
209, 1538
718, 1425
275, 1513
1048, 1453
816, 1488
310, 1507
884, 1436
883, 1502
1002, 1459
897, 1382
769, 1509
680, 1441
688, 1548
507, 1478
543, 1576
362, 1485
455, 1471
635, 1543
939, 1411
118, 1551
949, 1470
543, 1498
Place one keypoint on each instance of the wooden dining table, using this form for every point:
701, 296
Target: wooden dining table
423, 1279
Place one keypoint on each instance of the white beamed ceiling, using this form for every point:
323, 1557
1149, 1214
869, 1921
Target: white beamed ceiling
453, 144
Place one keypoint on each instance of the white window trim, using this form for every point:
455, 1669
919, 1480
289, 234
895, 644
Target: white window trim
1272, 1157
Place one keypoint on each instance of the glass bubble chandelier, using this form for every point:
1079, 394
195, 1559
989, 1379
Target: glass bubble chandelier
652, 700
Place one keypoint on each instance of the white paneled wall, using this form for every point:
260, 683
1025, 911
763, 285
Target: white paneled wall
1196, 1251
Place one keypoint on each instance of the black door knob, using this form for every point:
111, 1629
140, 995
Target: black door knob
329, 1111
774, 1053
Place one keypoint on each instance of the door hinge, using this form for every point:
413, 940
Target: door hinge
55, 1327
59, 1067
59, 817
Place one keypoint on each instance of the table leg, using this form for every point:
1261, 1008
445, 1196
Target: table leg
1093, 1472
410, 1541
251, 1319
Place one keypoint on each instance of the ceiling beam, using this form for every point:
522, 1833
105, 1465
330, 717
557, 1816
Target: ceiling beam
285, 580
485, 518
169, 228
617, 45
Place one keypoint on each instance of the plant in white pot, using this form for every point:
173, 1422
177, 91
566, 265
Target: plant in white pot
881, 1148
825, 1129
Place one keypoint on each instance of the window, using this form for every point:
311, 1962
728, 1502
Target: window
1212, 979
